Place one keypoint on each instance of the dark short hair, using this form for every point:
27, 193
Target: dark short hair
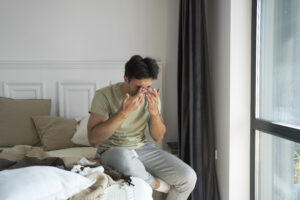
139, 68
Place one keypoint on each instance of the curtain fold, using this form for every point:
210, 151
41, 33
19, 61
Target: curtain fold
196, 135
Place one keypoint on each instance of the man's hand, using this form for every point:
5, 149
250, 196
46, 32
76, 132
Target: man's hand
131, 103
152, 97
156, 125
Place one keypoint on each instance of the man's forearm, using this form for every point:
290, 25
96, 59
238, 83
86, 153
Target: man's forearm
157, 127
106, 129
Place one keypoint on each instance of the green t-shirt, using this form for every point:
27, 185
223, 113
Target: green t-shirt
106, 102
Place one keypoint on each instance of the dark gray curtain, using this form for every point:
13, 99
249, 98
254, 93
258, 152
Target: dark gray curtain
196, 136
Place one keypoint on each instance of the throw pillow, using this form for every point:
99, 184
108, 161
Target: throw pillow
81, 136
16, 126
55, 132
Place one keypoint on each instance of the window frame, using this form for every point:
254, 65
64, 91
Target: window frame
289, 133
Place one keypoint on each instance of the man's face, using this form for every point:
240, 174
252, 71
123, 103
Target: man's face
134, 85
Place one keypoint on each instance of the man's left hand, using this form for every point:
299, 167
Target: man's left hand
152, 97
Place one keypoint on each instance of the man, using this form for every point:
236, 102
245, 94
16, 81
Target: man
118, 118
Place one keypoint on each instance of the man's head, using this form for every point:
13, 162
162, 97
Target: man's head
139, 73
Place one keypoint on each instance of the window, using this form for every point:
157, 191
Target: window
275, 99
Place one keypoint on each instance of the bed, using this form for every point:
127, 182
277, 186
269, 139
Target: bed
43, 116
35, 142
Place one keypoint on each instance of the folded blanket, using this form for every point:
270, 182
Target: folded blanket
24, 156
18, 152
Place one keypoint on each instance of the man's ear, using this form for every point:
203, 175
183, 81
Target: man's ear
126, 79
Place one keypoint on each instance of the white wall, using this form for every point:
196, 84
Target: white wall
170, 73
218, 23
79, 29
240, 91
229, 33
94, 30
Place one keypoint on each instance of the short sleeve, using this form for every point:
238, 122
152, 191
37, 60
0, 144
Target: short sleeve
100, 105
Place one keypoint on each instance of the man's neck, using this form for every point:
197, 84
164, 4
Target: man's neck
123, 89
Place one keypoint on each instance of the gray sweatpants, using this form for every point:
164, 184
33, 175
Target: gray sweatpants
148, 162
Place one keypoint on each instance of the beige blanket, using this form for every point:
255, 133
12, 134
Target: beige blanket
18, 152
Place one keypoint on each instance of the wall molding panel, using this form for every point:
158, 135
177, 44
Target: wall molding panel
72, 93
28, 90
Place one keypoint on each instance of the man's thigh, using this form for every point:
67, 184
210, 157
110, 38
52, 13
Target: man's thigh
119, 158
127, 162
163, 164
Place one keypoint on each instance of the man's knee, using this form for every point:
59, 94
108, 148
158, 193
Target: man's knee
192, 177
188, 179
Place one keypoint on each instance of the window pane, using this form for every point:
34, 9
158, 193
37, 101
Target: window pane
278, 61
277, 168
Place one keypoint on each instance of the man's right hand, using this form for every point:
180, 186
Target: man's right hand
131, 103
